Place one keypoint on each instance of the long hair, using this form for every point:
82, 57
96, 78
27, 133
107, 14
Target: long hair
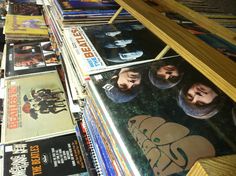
160, 82
114, 93
201, 111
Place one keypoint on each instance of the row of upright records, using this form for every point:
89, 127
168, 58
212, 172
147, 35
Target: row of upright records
137, 114
39, 133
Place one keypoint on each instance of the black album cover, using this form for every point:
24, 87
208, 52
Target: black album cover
26, 58
30, 9
125, 42
59, 156
167, 114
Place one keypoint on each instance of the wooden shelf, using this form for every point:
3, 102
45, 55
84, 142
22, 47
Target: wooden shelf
199, 19
211, 63
223, 165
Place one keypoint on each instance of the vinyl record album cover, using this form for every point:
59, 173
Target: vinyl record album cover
30, 9
35, 107
165, 114
104, 47
85, 7
59, 155
30, 57
22, 25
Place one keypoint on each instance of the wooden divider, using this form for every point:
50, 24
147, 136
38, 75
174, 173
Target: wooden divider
199, 19
214, 65
223, 165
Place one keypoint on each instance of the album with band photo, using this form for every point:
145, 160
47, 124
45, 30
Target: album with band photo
166, 114
30, 57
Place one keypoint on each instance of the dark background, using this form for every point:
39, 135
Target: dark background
2, 40
228, 6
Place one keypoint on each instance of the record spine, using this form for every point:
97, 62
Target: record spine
93, 153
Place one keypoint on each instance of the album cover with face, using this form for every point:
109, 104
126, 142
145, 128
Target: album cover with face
123, 42
30, 57
99, 48
165, 113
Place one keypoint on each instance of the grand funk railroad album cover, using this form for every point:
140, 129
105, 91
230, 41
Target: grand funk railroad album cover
166, 113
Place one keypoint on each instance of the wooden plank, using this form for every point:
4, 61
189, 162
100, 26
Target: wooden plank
223, 165
196, 1
210, 25
214, 65
162, 53
218, 16
115, 15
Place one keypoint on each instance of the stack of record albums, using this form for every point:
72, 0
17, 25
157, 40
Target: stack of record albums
61, 14
104, 99
146, 116
158, 118
22, 27
38, 130
86, 12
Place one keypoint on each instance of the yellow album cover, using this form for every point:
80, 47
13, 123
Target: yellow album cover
30, 25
